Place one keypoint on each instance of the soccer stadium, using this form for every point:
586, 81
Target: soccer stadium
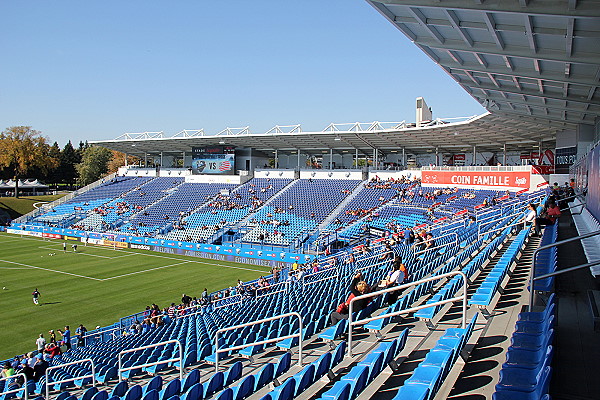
440, 258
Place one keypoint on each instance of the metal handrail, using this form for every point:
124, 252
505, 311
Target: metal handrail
180, 358
463, 297
440, 246
532, 278
24, 388
500, 219
442, 236
277, 339
89, 335
84, 360
503, 227
336, 275
583, 203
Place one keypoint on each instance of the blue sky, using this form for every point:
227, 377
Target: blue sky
92, 70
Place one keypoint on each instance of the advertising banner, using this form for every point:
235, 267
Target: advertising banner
593, 179
564, 158
51, 235
499, 179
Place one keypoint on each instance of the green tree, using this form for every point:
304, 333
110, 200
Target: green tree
94, 164
53, 175
69, 158
24, 150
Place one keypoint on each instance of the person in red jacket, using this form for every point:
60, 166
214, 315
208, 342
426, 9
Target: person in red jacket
548, 217
357, 287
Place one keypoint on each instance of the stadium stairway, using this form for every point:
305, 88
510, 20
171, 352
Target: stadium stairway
481, 372
342, 205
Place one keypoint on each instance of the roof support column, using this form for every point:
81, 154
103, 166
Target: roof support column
473, 162
356, 158
504, 151
437, 156
183, 160
161, 159
145, 160
404, 157
330, 158
125, 159
276, 164
298, 158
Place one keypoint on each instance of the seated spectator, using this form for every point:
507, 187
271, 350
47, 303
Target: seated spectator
548, 217
357, 287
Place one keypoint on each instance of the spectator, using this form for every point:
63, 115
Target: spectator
39, 367
80, 333
66, 337
395, 277
357, 287
548, 217
7, 370
186, 300
531, 215
40, 343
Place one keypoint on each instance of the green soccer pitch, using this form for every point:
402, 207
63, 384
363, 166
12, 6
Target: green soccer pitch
94, 286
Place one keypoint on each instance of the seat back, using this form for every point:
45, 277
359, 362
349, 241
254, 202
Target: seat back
215, 383
283, 364
264, 376
245, 388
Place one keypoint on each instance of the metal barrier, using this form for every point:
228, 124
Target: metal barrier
533, 278
85, 360
24, 388
285, 284
440, 246
500, 219
180, 358
101, 333
243, 346
462, 297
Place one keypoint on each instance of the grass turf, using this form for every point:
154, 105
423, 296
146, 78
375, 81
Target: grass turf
17, 207
95, 286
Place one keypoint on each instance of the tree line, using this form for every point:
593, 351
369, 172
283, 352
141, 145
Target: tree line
26, 153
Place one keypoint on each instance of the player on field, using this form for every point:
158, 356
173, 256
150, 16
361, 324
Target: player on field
64, 247
36, 296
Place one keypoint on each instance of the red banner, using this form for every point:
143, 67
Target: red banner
51, 235
500, 179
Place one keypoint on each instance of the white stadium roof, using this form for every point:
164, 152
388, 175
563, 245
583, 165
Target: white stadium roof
535, 66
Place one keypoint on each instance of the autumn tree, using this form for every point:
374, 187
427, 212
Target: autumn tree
24, 150
94, 164
118, 161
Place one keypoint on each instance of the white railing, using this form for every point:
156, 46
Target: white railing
462, 297
479, 168
277, 339
175, 359
519, 223
440, 246
24, 387
479, 233
85, 360
91, 335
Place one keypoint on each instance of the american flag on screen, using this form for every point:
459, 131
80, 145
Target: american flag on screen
225, 166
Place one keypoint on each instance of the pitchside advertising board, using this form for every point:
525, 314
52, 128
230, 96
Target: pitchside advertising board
218, 160
253, 256
499, 179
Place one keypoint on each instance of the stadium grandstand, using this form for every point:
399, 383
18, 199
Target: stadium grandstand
429, 259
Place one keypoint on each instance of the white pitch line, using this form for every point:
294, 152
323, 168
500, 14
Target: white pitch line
197, 262
151, 255
146, 270
59, 250
51, 270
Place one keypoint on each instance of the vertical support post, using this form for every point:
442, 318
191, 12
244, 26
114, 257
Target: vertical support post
404, 157
276, 165
298, 158
330, 158
473, 162
125, 159
356, 157
145, 160
183, 160
437, 156
504, 150
161, 159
